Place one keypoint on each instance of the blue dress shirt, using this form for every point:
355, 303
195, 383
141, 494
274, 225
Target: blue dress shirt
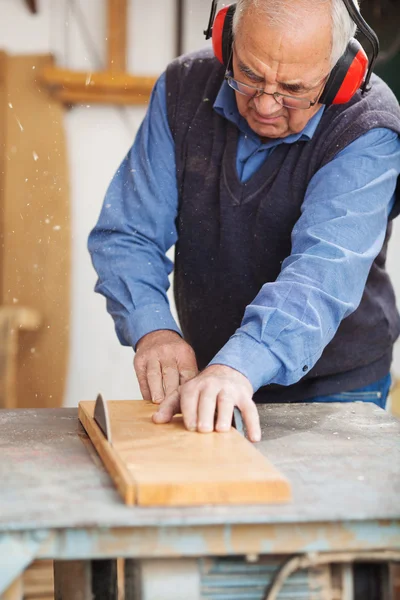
334, 243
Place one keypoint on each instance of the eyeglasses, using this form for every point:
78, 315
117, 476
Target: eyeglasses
282, 99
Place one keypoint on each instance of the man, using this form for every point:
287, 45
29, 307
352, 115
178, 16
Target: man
281, 218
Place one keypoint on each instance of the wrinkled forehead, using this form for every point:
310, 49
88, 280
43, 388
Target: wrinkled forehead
302, 42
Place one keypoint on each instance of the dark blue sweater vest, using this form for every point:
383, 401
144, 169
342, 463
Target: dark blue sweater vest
234, 236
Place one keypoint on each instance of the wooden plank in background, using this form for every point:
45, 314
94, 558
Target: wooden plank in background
117, 34
38, 581
3, 109
395, 398
12, 322
166, 465
14, 591
35, 221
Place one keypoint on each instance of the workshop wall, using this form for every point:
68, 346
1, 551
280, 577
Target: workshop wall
97, 139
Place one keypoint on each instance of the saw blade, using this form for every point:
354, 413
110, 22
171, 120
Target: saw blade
237, 420
102, 418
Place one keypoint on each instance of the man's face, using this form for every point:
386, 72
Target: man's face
285, 60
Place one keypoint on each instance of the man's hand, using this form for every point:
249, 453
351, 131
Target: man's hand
163, 361
218, 389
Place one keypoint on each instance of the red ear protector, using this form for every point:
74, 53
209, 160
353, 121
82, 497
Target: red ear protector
352, 71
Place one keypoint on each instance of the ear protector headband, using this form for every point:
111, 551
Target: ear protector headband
352, 71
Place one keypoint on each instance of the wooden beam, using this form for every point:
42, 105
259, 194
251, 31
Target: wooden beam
117, 34
76, 96
180, 27
72, 580
85, 580
78, 87
100, 81
32, 5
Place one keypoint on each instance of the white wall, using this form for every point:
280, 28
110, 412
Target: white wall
98, 137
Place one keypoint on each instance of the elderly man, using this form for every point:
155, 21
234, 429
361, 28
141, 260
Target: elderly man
280, 209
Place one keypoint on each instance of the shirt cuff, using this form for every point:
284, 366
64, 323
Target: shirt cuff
147, 319
254, 360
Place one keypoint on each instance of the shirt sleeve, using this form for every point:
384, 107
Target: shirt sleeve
136, 228
338, 236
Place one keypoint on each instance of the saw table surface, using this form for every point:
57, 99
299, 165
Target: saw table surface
57, 502
343, 462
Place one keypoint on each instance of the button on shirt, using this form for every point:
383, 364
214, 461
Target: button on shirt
334, 243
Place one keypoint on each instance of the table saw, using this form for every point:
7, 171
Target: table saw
335, 538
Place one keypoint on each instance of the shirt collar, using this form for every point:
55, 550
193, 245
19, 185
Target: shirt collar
225, 105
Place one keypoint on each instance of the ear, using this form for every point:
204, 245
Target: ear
222, 34
346, 76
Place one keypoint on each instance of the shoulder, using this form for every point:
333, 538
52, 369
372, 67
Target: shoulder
376, 108
341, 125
203, 58
190, 79
196, 68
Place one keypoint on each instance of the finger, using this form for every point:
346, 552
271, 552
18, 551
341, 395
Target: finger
169, 408
206, 412
170, 379
225, 413
251, 420
186, 375
154, 381
142, 380
189, 397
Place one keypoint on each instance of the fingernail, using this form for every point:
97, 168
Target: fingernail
159, 418
205, 428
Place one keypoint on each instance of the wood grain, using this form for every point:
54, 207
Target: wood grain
117, 34
12, 321
38, 580
35, 226
166, 465
14, 592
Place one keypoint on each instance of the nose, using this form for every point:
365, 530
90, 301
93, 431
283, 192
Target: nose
266, 105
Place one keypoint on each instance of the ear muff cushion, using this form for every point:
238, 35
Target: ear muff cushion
222, 36
346, 76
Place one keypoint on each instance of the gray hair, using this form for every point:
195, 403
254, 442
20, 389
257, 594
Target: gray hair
281, 12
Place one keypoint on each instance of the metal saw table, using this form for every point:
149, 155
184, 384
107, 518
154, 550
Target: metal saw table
57, 502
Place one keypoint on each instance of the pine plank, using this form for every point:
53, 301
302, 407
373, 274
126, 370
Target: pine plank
166, 465
395, 398
39, 581
35, 226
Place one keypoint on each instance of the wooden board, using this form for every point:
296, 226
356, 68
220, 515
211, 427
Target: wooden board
166, 465
38, 581
35, 226
12, 322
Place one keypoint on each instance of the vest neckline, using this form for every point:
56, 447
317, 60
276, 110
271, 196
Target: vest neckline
242, 192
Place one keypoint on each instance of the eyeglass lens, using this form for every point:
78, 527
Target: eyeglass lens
286, 101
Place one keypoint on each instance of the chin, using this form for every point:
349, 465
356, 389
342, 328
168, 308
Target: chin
268, 131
